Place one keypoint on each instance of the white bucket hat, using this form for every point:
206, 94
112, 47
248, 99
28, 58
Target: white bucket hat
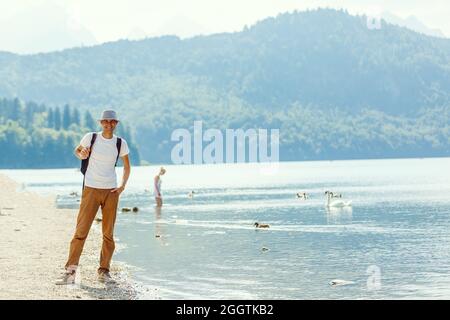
109, 115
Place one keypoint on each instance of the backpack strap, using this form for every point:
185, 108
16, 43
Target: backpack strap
118, 145
85, 162
94, 136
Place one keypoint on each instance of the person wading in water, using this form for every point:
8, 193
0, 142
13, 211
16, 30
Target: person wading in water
157, 187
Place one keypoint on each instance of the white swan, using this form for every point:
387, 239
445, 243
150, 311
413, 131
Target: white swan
339, 282
332, 202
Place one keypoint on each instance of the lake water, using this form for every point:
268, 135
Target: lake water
392, 243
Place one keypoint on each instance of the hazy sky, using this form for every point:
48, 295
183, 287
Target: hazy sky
45, 25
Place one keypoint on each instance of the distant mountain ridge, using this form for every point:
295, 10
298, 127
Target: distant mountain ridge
321, 62
412, 23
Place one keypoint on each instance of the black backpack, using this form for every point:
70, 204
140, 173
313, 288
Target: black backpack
85, 162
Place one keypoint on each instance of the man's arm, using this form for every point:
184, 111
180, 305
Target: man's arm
126, 174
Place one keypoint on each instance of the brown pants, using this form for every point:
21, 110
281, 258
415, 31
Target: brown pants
91, 200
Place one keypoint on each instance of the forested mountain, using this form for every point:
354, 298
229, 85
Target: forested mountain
334, 87
35, 136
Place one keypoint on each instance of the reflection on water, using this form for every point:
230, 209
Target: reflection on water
160, 230
206, 246
339, 215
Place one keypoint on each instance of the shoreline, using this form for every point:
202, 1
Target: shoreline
34, 246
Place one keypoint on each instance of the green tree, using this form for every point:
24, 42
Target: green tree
89, 121
16, 110
57, 116
76, 117
50, 118
30, 109
67, 119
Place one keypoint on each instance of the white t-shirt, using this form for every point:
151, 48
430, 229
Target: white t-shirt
101, 173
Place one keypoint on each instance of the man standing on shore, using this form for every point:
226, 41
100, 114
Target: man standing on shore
100, 151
